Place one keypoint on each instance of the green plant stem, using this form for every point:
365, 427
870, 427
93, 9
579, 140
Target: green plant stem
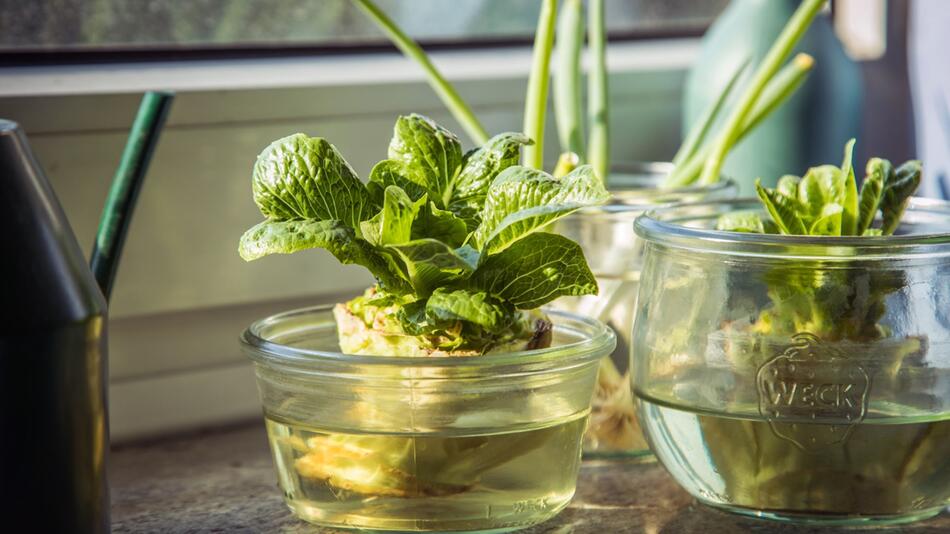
567, 78
598, 111
777, 55
785, 83
537, 97
126, 184
446, 92
567, 162
697, 133
782, 86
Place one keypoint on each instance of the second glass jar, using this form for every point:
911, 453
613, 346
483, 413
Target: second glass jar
798, 378
614, 252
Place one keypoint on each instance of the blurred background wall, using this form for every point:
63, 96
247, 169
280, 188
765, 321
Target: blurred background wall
183, 295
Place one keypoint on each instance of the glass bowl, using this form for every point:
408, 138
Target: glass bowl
488, 443
613, 252
798, 378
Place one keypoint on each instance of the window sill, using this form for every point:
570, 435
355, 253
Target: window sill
335, 70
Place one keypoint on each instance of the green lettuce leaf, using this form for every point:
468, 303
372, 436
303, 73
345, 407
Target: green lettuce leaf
442, 225
522, 200
878, 172
829, 221
826, 202
788, 185
429, 151
474, 307
741, 221
285, 237
469, 254
393, 224
483, 164
897, 194
468, 210
548, 266
480, 167
770, 227
824, 185
431, 264
818, 187
301, 177
849, 201
784, 210
391, 172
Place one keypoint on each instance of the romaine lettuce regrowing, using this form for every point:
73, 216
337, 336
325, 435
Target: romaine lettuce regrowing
454, 241
807, 296
452, 238
840, 305
826, 202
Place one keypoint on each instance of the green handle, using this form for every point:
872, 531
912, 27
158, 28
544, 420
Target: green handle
117, 213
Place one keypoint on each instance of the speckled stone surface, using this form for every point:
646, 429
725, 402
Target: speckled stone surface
223, 481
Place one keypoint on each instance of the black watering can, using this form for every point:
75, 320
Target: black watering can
54, 438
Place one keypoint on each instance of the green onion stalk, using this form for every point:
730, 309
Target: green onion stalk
567, 80
767, 90
598, 98
446, 91
693, 154
536, 100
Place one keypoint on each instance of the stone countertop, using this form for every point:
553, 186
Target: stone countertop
223, 481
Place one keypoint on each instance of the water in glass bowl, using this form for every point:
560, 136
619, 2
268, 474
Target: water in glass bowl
427, 482
882, 469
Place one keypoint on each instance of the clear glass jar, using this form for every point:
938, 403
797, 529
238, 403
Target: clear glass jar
614, 254
798, 378
486, 443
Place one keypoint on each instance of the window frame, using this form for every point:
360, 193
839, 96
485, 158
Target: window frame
93, 55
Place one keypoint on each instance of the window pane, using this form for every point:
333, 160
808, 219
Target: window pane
124, 24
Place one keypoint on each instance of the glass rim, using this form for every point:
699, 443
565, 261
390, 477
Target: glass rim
598, 340
635, 186
663, 226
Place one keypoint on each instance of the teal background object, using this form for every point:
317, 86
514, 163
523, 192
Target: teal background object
812, 127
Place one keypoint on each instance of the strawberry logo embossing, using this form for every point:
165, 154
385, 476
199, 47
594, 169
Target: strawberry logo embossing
811, 394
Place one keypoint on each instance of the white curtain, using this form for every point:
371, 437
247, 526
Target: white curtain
929, 41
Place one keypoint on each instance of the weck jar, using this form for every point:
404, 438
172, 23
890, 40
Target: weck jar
614, 254
798, 378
